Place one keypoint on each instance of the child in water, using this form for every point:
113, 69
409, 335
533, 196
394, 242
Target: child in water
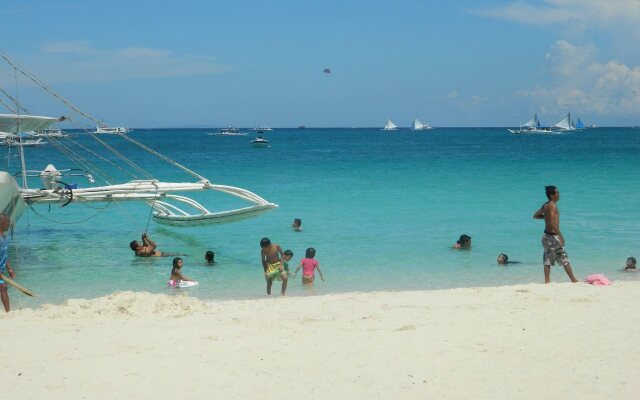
208, 257
308, 265
297, 225
176, 276
631, 264
287, 256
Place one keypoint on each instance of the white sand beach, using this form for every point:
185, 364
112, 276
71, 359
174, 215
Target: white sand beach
559, 341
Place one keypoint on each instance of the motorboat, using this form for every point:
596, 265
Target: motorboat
262, 129
19, 141
49, 133
230, 131
103, 129
259, 141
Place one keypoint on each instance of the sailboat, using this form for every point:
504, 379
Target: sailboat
126, 181
531, 126
564, 125
579, 124
390, 126
419, 126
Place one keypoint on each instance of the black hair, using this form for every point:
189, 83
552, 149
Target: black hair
550, 190
209, 256
288, 253
464, 240
134, 245
297, 221
175, 262
310, 253
506, 257
632, 259
264, 242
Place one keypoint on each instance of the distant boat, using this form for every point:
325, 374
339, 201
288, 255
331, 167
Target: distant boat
564, 125
259, 141
262, 129
531, 126
230, 131
419, 126
120, 130
302, 127
18, 141
49, 133
579, 124
390, 126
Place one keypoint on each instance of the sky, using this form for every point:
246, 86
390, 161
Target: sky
248, 62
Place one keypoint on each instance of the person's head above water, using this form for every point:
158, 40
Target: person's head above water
208, 256
134, 245
177, 262
464, 242
503, 258
310, 253
265, 242
297, 223
551, 191
631, 263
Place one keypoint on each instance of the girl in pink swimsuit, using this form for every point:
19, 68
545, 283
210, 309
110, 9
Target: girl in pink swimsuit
308, 265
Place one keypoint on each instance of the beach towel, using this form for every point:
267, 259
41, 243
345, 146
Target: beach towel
597, 279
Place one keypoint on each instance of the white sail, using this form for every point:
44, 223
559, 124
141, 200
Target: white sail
532, 123
417, 125
14, 123
390, 126
565, 124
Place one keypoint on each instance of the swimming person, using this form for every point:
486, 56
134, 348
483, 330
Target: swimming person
631, 264
208, 257
552, 239
463, 243
309, 265
271, 256
147, 248
5, 222
504, 259
288, 255
176, 275
297, 225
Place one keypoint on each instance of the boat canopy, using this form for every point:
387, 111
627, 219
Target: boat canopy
15, 123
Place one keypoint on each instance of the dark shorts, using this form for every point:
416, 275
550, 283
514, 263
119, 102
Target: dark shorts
553, 251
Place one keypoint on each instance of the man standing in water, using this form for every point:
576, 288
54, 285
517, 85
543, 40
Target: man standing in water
271, 256
5, 222
552, 239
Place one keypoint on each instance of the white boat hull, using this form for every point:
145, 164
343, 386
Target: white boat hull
10, 201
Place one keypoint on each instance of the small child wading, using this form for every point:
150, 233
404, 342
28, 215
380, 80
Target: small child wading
177, 279
309, 265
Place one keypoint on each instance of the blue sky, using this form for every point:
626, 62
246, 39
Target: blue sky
212, 63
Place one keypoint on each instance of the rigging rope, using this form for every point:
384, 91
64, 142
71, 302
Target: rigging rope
43, 85
165, 158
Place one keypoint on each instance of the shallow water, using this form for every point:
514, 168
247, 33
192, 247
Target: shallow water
382, 209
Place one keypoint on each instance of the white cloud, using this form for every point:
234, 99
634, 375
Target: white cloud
601, 12
582, 84
80, 62
452, 95
68, 47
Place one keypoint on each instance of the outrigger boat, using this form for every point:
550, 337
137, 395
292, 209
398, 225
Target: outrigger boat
99, 187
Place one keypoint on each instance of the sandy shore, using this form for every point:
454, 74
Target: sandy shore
560, 341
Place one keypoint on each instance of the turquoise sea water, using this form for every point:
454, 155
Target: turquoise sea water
382, 209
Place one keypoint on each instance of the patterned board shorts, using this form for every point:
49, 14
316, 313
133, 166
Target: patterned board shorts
553, 251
